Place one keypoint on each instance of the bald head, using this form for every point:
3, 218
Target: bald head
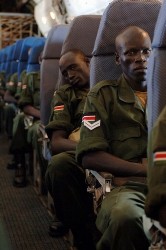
131, 33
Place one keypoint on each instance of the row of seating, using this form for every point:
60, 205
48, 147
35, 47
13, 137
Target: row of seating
95, 35
15, 57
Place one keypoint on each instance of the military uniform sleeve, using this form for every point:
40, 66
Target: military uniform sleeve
94, 128
26, 97
157, 168
60, 118
12, 84
2, 81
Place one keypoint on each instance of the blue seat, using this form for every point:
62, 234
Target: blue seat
50, 68
10, 49
15, 56
36, 50
156, 70
23, 59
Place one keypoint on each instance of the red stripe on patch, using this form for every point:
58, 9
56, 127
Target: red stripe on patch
89, 118
60, 107
160, 156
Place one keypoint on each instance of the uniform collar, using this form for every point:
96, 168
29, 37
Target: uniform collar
125, 92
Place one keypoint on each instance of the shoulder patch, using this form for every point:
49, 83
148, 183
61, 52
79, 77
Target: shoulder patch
59, 107
159, 156
89, 121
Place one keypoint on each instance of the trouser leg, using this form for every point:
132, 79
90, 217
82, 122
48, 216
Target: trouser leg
120, 221
73, 205
19, 142
10, 113
33, 139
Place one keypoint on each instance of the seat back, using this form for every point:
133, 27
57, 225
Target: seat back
10, 50
117, 16
16, 56
82, 35
33, 64
23, 59
50, 68
156, 70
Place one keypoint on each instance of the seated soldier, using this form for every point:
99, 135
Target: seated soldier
116, 142
64, 178
10, 109
17, 93
155, 206
24, 130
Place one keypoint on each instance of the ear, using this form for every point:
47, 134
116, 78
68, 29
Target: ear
117, 58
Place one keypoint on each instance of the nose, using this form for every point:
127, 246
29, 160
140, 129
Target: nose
70, 75
141, 56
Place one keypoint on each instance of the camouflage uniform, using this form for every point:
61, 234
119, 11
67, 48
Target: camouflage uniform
114, 121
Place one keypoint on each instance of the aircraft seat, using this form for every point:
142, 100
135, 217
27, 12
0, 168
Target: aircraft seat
23, 59
50, 68
156, 70
117, 16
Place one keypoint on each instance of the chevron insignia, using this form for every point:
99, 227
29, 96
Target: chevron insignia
92, 126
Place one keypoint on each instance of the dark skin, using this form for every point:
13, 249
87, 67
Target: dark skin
30, 110
75, 68
134, 66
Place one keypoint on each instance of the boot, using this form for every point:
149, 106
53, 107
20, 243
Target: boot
20, 176
57, 228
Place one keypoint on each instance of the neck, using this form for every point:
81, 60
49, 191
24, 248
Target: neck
137, 85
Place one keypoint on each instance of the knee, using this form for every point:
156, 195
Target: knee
58, 166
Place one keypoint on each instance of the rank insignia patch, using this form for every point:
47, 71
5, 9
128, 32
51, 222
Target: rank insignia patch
93, 125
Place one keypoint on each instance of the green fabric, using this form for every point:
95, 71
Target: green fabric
20, 83
30, 94
120, 219
122, 130
2, 80
70, 117
12, 84
156, 169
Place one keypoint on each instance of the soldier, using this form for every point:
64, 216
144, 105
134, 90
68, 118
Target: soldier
155, 206
114, 139
64, 178
25, 125
11, 103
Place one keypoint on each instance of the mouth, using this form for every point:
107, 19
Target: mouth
140, 69
75, 81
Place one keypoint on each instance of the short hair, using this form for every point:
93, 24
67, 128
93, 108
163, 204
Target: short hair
78, 52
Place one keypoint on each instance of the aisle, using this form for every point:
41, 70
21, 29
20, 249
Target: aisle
24, 216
